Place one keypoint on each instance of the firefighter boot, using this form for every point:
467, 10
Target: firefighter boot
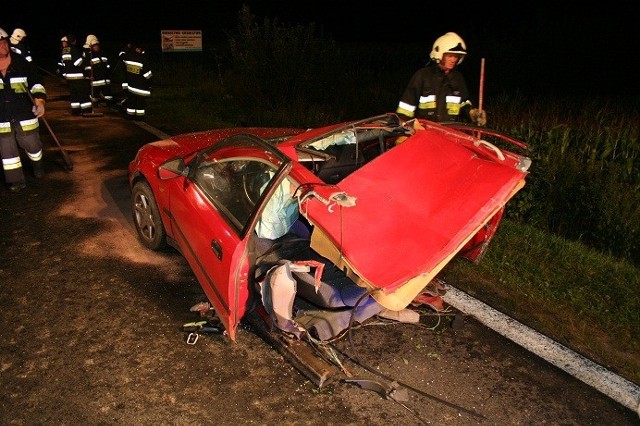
38, 170
17, 186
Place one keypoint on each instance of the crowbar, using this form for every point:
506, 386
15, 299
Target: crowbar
481, 94
67, 160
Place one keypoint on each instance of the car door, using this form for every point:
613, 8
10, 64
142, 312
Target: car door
214, 213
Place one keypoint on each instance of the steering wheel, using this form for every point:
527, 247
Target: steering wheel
252, 183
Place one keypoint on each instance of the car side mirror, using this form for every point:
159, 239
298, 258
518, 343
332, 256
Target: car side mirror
172, 169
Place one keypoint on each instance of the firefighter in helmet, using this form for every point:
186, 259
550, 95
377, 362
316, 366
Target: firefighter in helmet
73, 70
438, 92
97, 69
19, 45
137, 83
22, 101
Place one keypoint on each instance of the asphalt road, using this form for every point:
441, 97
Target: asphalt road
91, 326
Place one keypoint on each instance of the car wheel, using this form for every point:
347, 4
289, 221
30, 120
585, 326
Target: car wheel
146, 217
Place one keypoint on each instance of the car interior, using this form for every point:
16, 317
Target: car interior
325, 301
333, 157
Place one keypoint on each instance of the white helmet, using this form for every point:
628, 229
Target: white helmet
91, 40
3, 34
448, 43
18, 35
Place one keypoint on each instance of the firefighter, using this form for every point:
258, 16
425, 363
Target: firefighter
86, 59
438, 92
22, 100
118, 78
73, 65
98, 70
138, 77
19, 45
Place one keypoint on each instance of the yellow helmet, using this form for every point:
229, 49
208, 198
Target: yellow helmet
3, 34
448, 43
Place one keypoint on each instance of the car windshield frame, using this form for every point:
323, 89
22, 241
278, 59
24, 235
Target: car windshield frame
355, 132
236, 175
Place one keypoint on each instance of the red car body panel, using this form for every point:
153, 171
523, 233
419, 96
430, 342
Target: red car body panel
397, 230
439, 193
189, 219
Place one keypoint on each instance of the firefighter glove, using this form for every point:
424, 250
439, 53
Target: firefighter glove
38, 108
478, 117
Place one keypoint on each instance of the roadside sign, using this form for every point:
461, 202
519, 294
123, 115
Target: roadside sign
181, 40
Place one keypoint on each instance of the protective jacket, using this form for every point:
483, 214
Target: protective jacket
79, 87
22, 49
18, 120
433, 95
73, 63
15, 104
137, 73
137, 82
98, 68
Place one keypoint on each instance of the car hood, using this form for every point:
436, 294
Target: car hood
415, 208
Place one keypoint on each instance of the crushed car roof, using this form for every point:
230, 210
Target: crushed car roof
415, 208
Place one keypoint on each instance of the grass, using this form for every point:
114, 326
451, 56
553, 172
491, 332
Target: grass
579, 297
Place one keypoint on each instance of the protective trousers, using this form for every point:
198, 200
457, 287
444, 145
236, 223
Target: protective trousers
9, 142
80, 96
135, 105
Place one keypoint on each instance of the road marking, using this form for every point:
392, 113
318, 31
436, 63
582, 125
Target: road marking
618, 388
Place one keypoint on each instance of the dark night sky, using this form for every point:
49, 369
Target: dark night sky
590, 46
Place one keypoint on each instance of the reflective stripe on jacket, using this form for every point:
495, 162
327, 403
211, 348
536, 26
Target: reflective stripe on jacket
73, 62
137, 73
435, 96
15, 104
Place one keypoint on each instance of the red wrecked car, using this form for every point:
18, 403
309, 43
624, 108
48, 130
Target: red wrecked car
321, 228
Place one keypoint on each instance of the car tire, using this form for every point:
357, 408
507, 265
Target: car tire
146, 217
